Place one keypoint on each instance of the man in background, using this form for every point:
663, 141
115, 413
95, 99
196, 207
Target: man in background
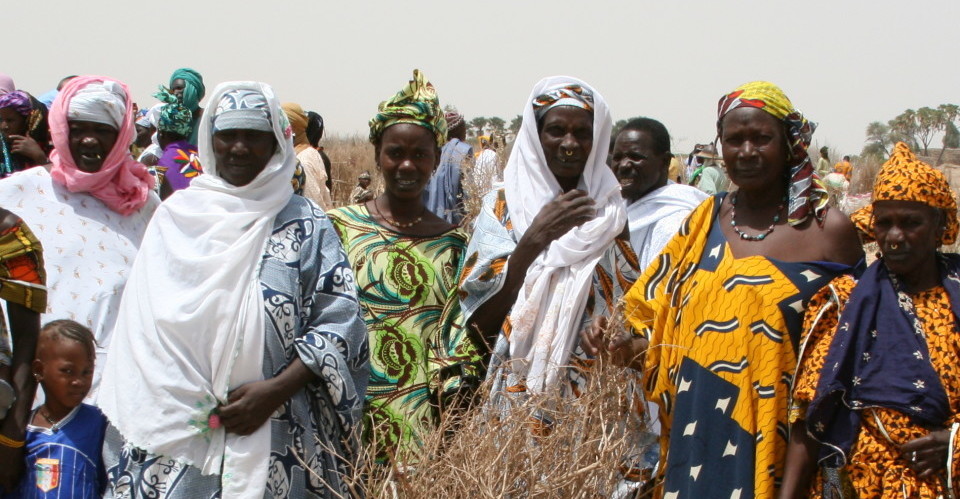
444, 194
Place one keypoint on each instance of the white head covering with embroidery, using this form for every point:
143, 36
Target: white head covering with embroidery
191, 322
546, 317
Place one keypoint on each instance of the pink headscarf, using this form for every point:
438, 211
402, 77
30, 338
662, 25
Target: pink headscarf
6, 84
122, 183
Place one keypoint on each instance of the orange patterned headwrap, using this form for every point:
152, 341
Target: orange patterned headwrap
905, 178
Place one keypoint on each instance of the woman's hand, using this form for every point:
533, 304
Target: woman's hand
28, 148
249, 406
624, 349
557, 217
928, 454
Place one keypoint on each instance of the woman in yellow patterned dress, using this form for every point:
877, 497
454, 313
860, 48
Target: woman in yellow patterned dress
877, 395
406, 261
722, 305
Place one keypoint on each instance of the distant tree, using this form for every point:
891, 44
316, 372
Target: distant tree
951, 136
951, 139
477, 124
515, 124
929, 122
874, 150
904, 128
498, 124
878, 139
950, 112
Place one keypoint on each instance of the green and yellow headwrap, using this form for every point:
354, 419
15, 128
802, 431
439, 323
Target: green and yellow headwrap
905, 178
418, 104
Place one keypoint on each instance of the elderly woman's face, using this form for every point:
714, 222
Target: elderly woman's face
90, 143
754, 149
908, 233
407, 156
242, 154
12, 122
566, 136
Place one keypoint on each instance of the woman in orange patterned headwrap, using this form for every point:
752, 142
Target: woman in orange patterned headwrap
877, 393
722, 305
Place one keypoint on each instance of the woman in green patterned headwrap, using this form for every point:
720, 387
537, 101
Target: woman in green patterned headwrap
406, 262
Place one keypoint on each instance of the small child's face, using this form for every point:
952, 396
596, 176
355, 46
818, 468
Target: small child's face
364, 182
65, 369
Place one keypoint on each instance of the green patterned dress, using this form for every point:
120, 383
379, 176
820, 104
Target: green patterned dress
420, 353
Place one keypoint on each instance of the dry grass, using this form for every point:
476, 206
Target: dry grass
478, 453
350, 155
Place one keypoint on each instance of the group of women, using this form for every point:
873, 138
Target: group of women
259, 340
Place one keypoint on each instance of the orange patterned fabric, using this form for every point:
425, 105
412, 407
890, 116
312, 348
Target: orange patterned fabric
21, 268
722, 334
905, 178
875, 465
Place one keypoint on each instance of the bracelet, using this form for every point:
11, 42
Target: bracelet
9, 442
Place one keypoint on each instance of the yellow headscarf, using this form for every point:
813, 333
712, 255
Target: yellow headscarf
807, 196
298, 122
905, 178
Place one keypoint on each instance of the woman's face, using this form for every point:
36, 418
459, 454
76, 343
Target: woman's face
12, 122
908, 233
638, 166
242, 154
90, 143
754, 149
566, 136
178, 86
407, 156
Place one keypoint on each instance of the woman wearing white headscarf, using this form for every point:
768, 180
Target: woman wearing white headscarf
242, 362
549, 252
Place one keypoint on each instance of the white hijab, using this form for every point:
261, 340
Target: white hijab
546, 317
191, 322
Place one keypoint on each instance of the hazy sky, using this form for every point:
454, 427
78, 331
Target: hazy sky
843, 63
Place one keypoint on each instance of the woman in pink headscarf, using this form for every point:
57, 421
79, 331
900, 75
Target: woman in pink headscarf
89, 207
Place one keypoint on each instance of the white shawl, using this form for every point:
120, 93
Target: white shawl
547, 315
656, 217
191, 322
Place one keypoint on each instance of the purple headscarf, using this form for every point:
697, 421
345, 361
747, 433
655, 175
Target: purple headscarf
18, 100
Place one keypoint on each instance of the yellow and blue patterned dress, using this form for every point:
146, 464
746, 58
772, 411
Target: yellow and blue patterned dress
723, 333
419, 351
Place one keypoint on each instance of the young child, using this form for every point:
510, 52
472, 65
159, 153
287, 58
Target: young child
65, 436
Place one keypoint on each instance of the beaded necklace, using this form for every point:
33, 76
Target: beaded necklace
743, 235
396, 224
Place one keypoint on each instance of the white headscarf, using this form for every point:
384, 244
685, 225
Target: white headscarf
104, 102
546, 317
191, 323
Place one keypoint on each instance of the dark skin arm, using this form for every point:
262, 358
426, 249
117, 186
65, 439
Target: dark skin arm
555, 219
801, 462
25, 327
250, 406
